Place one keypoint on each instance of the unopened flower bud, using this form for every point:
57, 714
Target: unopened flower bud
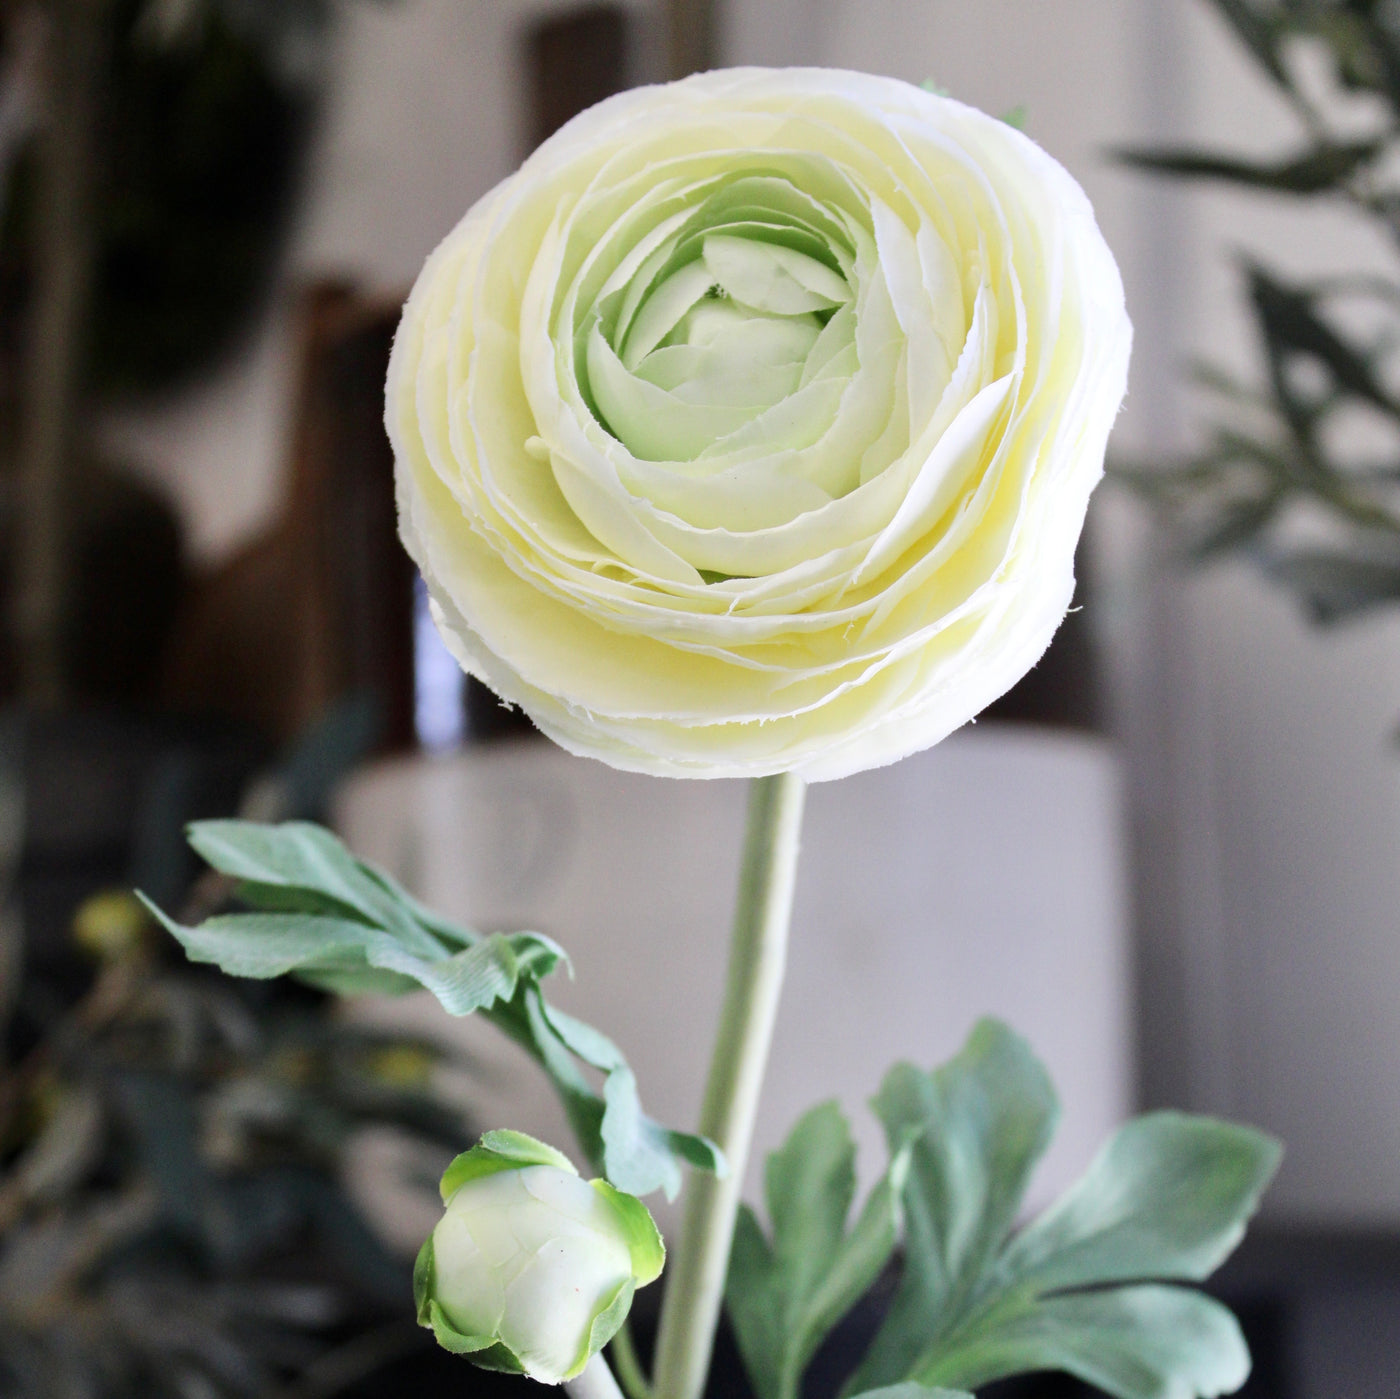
531, 1268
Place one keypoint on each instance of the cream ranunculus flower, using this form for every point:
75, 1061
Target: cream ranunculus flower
750, 426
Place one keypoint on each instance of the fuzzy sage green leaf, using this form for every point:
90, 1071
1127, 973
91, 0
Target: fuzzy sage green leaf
1086, 1287
786, 1294
332, 920
910, 1390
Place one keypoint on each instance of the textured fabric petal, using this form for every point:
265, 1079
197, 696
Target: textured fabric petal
751, 425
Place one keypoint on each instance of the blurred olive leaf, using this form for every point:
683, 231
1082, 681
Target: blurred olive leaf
1335, 586
1283, 479
332, 920
1316, 171
1087, 1287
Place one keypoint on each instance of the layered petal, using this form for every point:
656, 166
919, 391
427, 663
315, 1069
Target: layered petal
750, 426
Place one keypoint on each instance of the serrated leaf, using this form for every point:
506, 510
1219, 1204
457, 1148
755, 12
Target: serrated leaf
339, 923
350, 954
978, 1125
1080, 1288
266, 945
784, 1297
1146, 1342
472, 979
298, 857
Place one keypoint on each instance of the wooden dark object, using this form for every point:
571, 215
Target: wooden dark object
321, 605
572, 61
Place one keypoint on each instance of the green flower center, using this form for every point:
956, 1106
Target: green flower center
743, 315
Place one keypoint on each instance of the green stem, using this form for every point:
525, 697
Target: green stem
596, 1382
629, 1367
758, 952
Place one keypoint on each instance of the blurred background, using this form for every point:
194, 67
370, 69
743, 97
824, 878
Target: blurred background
1171, 856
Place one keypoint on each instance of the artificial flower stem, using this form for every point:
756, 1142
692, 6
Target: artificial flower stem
630, 1374
595, 1381
758, 953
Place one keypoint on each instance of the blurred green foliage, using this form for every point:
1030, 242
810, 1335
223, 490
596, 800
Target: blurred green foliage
1302, 475
173, 1218
176, 1219
204, 112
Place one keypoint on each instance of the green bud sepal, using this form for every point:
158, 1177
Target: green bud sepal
539, 1273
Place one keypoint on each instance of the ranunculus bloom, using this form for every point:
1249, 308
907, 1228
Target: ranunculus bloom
750, 426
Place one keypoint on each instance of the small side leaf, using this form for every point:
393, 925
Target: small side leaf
343, 925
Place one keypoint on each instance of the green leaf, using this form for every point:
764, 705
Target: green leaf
786, 1295
1167, 1197
978, 1126
1145, 1342
1263, 34
298, 857
1313, 172
639, 1155
341, 924
910, 1390
264, 945
1292, 325
1080, 1288
354, 955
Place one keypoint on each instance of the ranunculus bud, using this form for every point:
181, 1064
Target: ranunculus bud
531, 1269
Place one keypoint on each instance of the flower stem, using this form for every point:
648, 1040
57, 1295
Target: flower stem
629, 1368
595, 1382
758, 952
